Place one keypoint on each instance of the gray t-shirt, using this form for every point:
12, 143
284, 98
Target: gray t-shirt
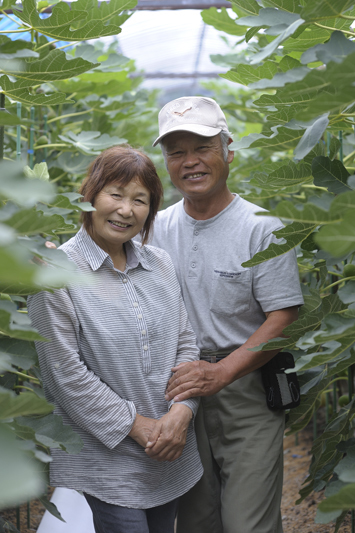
225, 301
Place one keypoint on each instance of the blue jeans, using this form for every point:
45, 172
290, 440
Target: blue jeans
109, 518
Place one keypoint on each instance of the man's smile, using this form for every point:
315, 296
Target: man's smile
194, 176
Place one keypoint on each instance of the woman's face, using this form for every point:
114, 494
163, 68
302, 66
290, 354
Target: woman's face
120, 213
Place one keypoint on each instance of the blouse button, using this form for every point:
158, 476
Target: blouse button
139, 316
145, 347
125, 280
135, 304
143, 332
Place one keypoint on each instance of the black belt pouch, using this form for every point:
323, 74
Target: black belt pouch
282, 390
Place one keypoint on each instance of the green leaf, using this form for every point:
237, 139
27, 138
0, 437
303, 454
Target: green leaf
15, 465
221, 21
294, 234
91, 142
247, 6
343, 500
31, 222
40, 171
301, 415
288, 63
323, 9
74, 163
308, 214
333, 328
7, 119
16, 325
336, 49
21, 190
51, 508
50, 431
347, 293
20, 353
310, 36
281, 79
293, 6
69, 200
311, 136
94, 22
54, 66
330, 351
287, 175
269, 17
246, 74
334, 147
271, 47
330, 174
23, 404
345, 469
338, 239
281, 139
15, 91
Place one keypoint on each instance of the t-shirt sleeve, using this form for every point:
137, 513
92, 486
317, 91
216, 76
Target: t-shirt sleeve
276, 282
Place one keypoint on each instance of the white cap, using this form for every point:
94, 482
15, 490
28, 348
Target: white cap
196, 114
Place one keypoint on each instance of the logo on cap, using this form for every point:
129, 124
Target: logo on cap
183, 113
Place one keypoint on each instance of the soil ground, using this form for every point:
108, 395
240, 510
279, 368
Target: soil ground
296, 518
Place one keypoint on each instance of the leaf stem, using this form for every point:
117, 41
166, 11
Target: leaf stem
46, 44
15, 136
58, 145
337, 283
15, 31
333, 29
13, 20
69, 115
346, 17
22, 375
23, 387
58, 178
73, 43
349, 156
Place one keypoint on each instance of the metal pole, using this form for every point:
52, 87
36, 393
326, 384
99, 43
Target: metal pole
45, 132
2, 129
18, 131
30, 150
341, 146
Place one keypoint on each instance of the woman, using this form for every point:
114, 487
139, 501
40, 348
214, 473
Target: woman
113, 344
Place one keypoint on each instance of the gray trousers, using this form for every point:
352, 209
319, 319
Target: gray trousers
241, 446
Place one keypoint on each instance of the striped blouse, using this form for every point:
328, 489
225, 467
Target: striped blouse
113, 344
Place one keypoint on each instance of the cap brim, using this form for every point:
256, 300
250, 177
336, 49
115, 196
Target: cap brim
204, 131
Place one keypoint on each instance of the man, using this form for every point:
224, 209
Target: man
209, 234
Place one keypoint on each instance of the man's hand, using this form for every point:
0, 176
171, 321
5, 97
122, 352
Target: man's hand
141, 429
201, 378
198, 378
168, 439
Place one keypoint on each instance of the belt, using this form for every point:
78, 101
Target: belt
215, 356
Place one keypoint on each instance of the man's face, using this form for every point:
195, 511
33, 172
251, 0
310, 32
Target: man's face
196, 164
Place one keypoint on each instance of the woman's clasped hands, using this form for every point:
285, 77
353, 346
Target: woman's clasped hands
163, 439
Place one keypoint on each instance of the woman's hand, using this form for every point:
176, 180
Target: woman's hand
168, 438
141, 429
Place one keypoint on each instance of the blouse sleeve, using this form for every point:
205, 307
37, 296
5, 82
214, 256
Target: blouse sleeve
187, 351
88, 401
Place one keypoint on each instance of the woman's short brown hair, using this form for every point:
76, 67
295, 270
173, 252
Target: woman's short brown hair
122, 164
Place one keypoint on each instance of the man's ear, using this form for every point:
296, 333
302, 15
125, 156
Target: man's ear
230, 152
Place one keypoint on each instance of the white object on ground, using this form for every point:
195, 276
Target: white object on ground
75, 511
